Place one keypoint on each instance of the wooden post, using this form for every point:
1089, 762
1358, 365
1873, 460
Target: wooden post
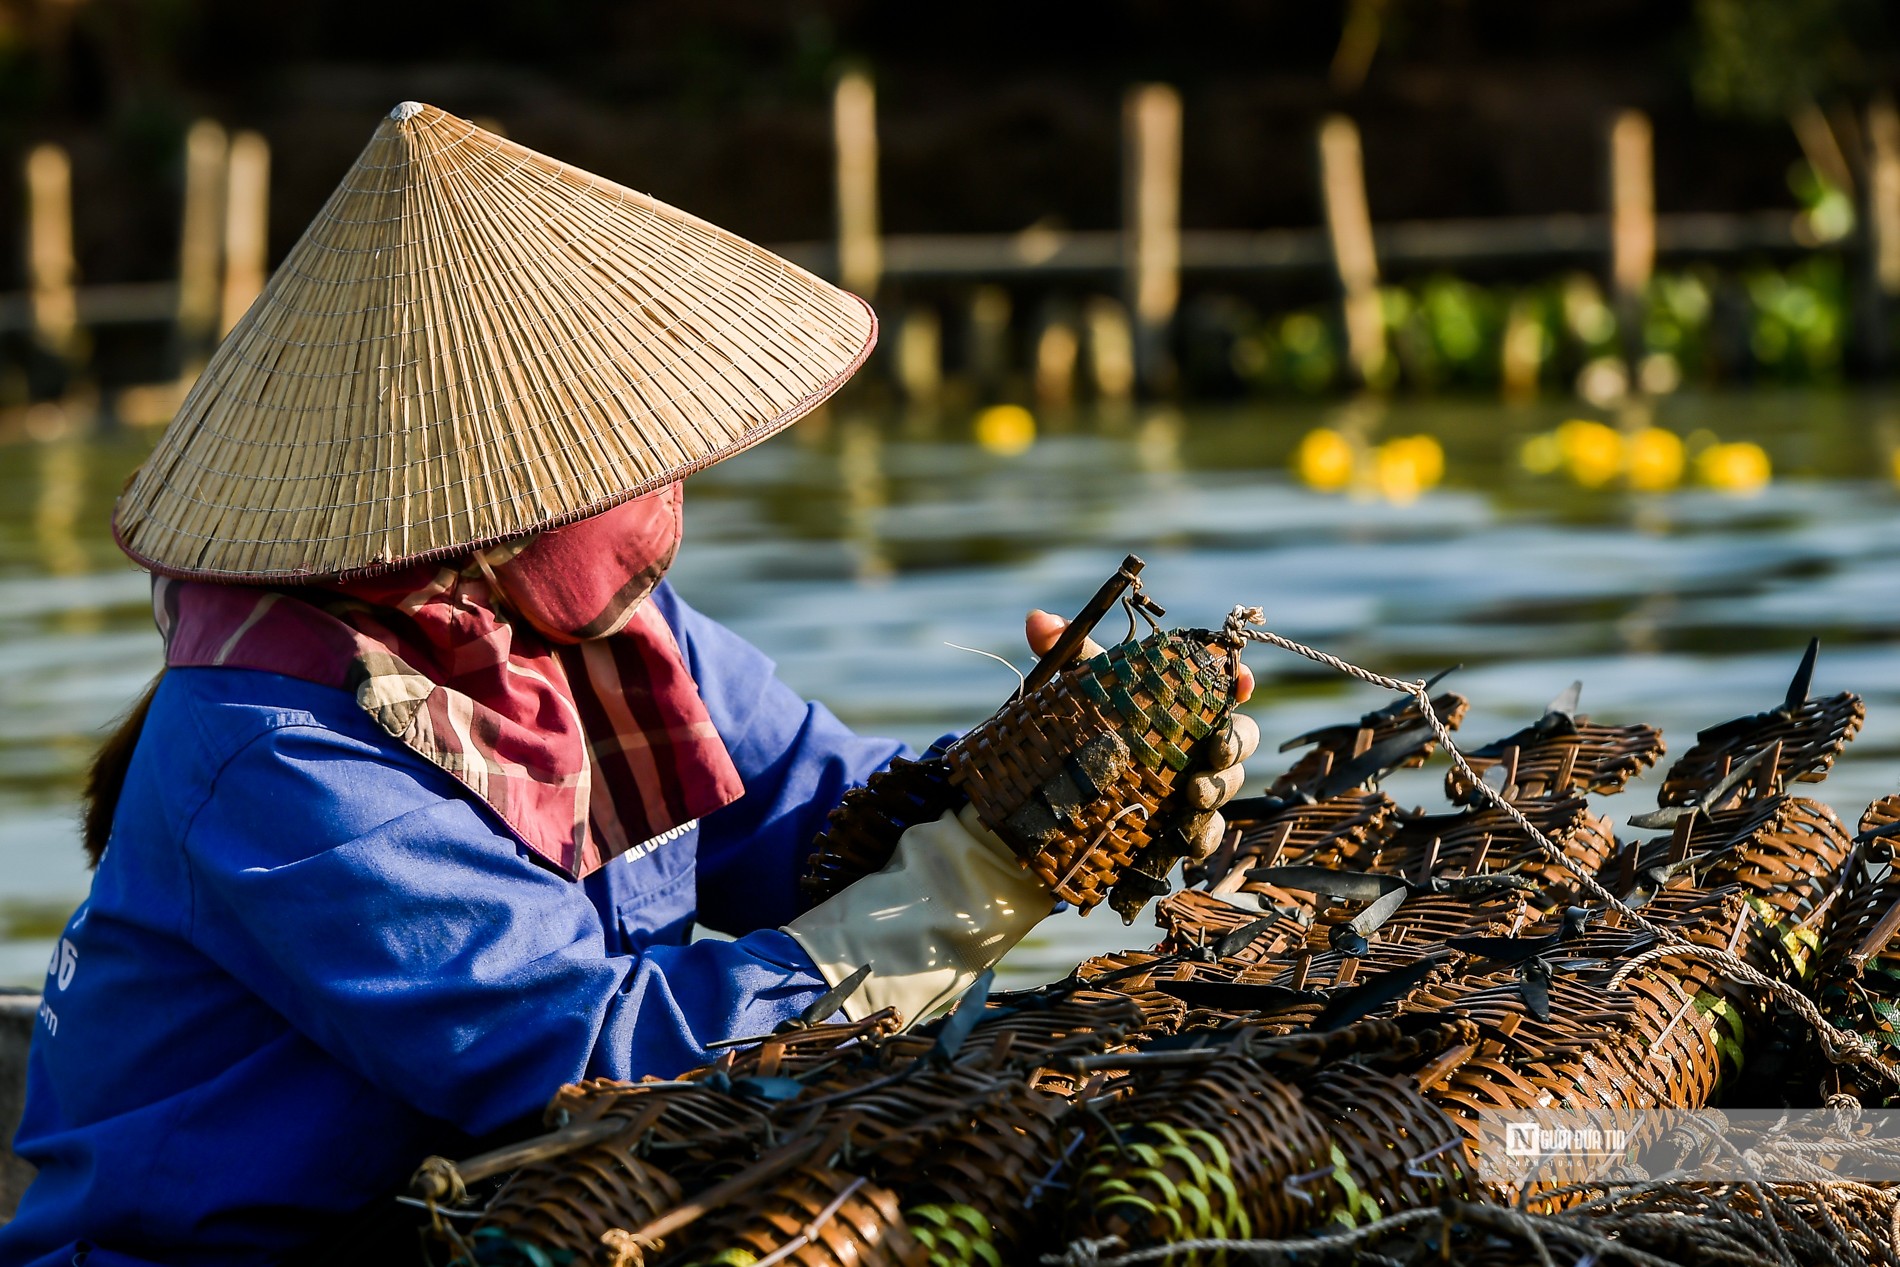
1111, 349
246, 225
1632, 222
1881, 212
920, 356
51, 272
988, 358
1151, 131
1349, 228
854, 137
1521, 355
199, 246
1820, 146
1057, 350
865, 491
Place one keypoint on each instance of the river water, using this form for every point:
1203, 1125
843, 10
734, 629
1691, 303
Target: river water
854, 549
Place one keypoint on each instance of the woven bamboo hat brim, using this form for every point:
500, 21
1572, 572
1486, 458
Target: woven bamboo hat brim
470, 342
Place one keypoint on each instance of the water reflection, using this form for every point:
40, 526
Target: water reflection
56, 511
1410, 536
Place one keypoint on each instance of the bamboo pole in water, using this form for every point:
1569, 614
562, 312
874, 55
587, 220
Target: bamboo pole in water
1151, 129
1881, 212
854, 137
246, 225
1632, 219
1349, 229
199, 246
51, 269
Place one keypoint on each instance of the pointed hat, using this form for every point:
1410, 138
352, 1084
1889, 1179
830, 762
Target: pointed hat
470, 342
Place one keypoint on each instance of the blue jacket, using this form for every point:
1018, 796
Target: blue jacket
310, 958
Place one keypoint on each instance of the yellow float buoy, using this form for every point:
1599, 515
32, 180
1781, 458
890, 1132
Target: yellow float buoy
1006, 430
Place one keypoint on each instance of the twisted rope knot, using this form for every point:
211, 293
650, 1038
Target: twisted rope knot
622, 1249
1084, 1252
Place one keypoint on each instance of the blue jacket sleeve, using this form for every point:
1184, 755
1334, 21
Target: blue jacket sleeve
381, 912
796, 758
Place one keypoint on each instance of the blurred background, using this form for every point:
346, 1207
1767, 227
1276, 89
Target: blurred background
1554, 340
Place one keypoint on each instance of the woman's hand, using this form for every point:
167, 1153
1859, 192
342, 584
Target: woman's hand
1227, 748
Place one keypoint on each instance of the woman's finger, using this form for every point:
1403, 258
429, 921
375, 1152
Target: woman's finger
1233, 743
1203, 834
1042, 629
1216, 788
1247, 732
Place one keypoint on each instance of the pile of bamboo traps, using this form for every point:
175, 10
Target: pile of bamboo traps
1299, 1068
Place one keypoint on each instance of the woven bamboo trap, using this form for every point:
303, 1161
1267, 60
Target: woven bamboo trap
1485, 841
1773, 849
1562, 752
815, 1217
1076, 772
1077, 776
860, 834
1400, 730
1204, 1155
1857, 973
1344, 831
1802, 736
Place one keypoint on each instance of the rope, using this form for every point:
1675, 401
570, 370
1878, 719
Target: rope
1088, 1253
1841, 1046
1533, 1230
1737, 1236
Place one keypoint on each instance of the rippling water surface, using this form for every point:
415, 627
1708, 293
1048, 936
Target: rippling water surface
855, 548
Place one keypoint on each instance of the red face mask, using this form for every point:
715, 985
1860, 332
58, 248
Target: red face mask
586, 579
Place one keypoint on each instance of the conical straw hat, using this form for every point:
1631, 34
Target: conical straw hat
472, 341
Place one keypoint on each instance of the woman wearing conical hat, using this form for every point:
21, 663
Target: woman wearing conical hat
441, 772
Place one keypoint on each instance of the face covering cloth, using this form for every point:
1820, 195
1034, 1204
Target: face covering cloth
534, 672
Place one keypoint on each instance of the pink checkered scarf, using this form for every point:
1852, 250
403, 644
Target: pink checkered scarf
536, 673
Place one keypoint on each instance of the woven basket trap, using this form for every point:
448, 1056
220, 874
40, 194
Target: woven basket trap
1586, 758
1810, 737
1077, 775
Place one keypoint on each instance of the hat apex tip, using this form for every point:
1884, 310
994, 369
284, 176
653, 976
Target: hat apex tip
406, 110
